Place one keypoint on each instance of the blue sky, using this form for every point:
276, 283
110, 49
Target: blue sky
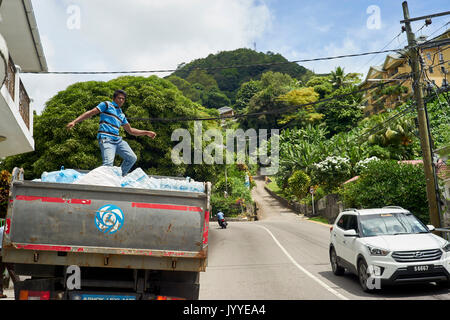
111, 35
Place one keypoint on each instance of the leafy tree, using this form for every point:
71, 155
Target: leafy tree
203, 78
273, 84
439, 117
245, 93
340, 79
214, 98
344, 112
299, 149
202, 88
396, 137
229, 80
239, 196
5, 180
321, 85
299, 183
386, 183
193, 92
299, 97
150, 97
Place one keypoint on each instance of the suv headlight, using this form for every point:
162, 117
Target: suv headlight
377, 251
446, 248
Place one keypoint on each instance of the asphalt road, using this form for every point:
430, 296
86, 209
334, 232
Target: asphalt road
283, 256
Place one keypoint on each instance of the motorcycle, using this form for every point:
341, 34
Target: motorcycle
223, 224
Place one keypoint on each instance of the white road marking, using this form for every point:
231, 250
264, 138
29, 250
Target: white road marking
309, 274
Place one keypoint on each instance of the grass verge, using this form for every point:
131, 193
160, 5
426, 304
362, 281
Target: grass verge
319, 219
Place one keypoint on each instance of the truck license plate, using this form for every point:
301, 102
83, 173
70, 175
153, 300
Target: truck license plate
85, 296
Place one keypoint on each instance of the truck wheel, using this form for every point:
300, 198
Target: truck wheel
337, 269
180, 284
6, 278
444, 284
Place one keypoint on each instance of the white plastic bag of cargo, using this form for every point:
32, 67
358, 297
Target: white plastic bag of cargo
102, 176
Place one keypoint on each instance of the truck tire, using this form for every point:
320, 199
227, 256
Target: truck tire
180, 284
6, 279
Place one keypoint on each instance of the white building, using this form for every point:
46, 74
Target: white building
20, 50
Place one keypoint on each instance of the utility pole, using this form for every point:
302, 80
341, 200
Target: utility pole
422, 119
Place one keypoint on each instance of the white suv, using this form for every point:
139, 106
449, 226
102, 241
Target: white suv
388, 246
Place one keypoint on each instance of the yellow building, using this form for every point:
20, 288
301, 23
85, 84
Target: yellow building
395, 70
437, 61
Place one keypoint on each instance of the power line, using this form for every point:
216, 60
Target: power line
369, 131
421, 44
380, 126
214, 68
428, 41
255, 114
380, 49
433, 87
398, 115
380, 85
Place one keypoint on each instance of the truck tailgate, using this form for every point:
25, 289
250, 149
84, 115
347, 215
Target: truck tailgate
87, 219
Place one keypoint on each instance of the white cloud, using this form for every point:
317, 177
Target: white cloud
138, 35
161, 34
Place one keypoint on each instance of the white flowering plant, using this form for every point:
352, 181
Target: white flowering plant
331, 172
360, 166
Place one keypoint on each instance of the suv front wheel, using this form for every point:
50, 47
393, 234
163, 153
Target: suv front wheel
363, 276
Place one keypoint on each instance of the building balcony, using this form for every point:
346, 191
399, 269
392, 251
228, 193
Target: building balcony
16, 116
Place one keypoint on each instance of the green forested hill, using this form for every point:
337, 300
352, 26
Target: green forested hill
229, 80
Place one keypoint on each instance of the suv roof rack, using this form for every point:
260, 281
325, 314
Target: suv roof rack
393, 207
351, 209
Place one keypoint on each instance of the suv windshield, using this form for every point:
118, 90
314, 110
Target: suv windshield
390, 224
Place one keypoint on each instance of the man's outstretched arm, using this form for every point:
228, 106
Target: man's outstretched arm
84, 116
137, 132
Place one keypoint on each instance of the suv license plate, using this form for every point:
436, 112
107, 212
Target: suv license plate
422, 268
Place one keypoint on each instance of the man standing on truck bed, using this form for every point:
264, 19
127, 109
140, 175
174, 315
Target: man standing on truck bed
109, 140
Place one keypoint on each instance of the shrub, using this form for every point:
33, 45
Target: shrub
331, 172
299, 183
387, 182
239, 196
228, 206
362, 165
5, 180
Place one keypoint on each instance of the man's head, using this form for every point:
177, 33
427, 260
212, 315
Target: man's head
119, 97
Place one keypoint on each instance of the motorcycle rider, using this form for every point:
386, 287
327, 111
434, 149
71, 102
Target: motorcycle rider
220, 218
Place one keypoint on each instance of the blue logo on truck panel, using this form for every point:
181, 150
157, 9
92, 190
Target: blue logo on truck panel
109, 219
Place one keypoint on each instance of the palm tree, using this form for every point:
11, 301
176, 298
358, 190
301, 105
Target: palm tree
339, 78
398, 136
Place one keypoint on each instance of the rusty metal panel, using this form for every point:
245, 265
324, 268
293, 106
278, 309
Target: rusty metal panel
99, 220
106, 261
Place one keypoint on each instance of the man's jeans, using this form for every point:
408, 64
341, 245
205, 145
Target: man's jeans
109, 148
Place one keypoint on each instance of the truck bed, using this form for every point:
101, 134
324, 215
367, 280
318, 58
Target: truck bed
96, 226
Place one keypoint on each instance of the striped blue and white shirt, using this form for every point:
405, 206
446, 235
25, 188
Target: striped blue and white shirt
111, 119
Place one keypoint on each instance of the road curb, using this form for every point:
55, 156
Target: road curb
318, 222
287, 204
